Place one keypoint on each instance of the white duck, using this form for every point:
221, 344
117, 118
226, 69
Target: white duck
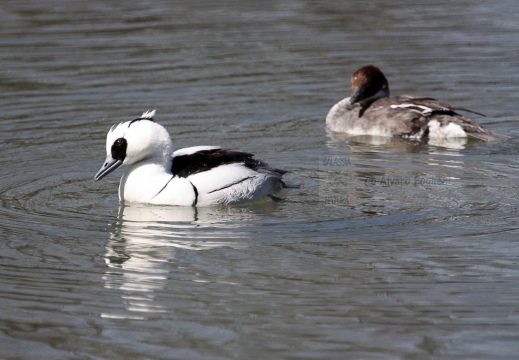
195, 176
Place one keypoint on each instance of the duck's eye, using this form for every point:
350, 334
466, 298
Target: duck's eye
119, 149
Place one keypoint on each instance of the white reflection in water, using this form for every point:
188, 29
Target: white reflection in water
450, 143
395, 144
146, 239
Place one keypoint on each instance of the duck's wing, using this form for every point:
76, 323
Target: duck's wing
433, 104
445, 114
222, 176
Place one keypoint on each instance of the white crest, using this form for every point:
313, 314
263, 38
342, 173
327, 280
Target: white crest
148, 115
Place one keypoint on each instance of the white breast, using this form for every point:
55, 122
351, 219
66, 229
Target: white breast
149, 183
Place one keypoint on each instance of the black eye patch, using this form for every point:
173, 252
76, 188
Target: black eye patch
119, 149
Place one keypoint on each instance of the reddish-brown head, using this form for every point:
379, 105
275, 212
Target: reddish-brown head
368, 84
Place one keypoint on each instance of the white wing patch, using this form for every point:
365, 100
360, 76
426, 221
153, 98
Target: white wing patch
194, 149
424, 110
451, 130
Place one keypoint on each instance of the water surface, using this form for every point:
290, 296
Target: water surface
390, 249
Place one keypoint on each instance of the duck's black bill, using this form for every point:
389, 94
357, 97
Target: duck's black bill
109, 166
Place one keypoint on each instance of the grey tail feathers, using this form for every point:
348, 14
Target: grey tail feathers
488, 136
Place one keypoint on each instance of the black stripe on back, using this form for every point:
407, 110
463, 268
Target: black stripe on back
204, 160
234, 183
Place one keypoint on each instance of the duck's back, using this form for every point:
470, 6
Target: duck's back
407, 115
222, 176
378, 119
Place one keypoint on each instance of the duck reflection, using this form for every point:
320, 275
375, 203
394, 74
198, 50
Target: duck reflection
146, 239
394, 145
378, 174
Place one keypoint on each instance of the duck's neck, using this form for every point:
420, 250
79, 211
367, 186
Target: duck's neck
382, 93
